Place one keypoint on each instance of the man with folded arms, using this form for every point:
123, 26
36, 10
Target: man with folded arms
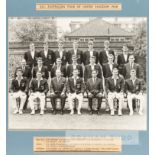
58, 90
19, 88
38, 90
115, 89
94, 88
75, 90
134, 89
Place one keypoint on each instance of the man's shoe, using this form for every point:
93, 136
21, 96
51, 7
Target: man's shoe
131, 113
79, 113
112, 113
140, 113
119, 112
33, 112
72, 112
20, 112
62, 112
42, 112
54, 112
91, 112
98, 112
16, 111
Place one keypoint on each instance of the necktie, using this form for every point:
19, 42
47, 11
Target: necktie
38, 84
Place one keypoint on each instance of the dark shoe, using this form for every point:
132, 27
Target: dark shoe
54, 112
62, 112
98, 112
91, 112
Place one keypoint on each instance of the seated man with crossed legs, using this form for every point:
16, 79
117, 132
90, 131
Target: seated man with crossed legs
115, 89
134, 89
38, 89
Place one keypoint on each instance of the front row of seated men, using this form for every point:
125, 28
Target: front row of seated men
73, 88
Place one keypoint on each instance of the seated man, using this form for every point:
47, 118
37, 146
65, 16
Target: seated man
19, 88
58, 90
75, 89
134, 89
94, 88
38, 89
115, 88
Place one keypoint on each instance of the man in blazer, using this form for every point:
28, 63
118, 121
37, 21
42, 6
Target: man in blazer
58, 66
38, 90
61, 53
108, 67
73, 66
47, 56
123, 58
134, 89
89, 53
77, 52
75, 90
41, 68
103, 56
25, 69
90, 67
132, 65
115, 89
94, 88
58, 90
19, 88
31, 56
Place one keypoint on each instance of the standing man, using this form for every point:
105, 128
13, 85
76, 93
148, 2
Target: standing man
25, 69
75, 51
47, 56
134, 89
75, 90
58, 66
123, 58
89, 53
115, 89
58, 90
40, 68
74, 66
31, 56
108, 67
103, 56
132, 65
94, 88
19, 88
38, 90
89, 68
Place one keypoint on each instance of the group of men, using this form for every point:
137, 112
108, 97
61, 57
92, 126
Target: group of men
69, 74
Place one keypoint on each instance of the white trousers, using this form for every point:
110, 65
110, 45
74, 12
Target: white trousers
33, 97
73, 96
111, 96
22, 96
140, 97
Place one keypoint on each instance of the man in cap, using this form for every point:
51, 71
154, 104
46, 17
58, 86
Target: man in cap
94, 88
38, 90
19, 88
134, 90
75, 90
40, 68
75, 51
58, 90
89, 53
73, 66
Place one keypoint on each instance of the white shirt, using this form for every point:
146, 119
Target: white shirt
91, 53
61, 53
39, 68
107, 52
111, 67
75, 52
32, 54
125, 57
92, 67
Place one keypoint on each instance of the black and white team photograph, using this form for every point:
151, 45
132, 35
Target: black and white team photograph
77, 73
